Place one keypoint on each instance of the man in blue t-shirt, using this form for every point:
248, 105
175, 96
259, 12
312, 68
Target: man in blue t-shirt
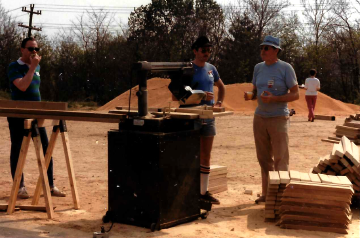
24, 76
205, 77
274, 85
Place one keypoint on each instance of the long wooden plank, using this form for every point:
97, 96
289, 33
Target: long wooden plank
34, 105
222, 114
62, 115
178, 115
304, 201
314, 228
313, 194
316, 223
203, 114
323, 117
348, 128
352, 124
321, 186
313, 210
302, 217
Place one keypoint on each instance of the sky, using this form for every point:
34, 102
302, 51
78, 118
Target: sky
60, 14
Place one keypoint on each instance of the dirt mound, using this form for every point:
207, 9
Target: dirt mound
160, 96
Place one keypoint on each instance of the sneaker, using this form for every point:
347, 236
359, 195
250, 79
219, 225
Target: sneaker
208, 197
260, 200
22, 193
55, 192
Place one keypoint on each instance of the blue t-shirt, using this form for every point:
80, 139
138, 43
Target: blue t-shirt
205, 78
19, 69
277, 78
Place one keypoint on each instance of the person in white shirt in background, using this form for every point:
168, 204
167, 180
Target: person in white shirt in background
312, 86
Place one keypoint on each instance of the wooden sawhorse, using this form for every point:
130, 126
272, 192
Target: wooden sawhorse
31, 131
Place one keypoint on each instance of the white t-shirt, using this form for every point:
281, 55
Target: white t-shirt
311, 84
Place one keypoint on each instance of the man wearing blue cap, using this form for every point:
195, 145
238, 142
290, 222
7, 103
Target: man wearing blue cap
274, 85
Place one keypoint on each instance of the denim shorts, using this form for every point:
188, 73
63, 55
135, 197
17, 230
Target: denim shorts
206, 126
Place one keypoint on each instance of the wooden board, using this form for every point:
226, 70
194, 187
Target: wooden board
62, 115
314, 228
336, 188
313, 194
314, 178
312, 210
348, 128
308, 217
34, 105
316, 202
338, 150
294, 175
323, 117
284, 177
274, 177
324, 178
304, 177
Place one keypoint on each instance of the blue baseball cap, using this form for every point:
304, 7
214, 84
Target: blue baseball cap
272, 41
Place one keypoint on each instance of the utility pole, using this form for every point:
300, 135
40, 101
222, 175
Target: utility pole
30, 26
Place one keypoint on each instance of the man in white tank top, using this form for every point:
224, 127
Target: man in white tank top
312, 86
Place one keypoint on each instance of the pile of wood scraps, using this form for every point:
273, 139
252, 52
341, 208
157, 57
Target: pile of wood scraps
343, 160
350, 129
309, 201
217, 179
198, 112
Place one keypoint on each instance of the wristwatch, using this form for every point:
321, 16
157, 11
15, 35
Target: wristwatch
219, 102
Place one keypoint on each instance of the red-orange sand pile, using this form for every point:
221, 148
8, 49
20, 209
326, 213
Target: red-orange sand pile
160, 96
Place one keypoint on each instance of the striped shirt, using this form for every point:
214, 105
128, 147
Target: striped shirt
19, 69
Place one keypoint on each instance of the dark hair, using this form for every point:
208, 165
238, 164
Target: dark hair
23, 43
200, 42
312, 72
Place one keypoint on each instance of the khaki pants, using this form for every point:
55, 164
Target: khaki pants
271, 140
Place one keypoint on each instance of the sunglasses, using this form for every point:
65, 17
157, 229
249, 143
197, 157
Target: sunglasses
31, 49
206, 50
266, 48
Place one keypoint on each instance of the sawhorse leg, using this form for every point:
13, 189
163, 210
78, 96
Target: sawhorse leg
48, 155
19, 168
61, 127
34, 133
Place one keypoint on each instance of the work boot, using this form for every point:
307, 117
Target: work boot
22, 193
55, 192
260, 200
208, 197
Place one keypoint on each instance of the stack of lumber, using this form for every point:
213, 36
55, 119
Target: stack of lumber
217, 179
343, 160
278, 181
276, 186
317, 206
350, 129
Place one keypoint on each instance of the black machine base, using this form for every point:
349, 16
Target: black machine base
154, 177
